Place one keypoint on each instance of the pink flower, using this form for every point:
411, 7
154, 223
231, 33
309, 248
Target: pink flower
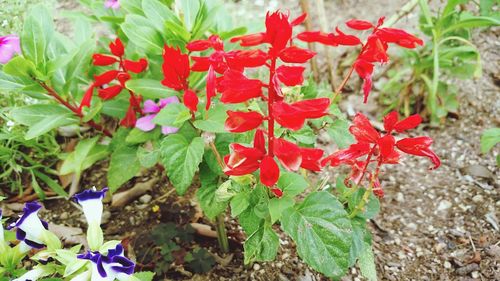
113, 4
151, 108
9, 45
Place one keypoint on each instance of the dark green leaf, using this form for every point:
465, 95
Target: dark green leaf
123, 166
262, 245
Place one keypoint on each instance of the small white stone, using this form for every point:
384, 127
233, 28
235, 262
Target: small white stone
475, 274
478, 198
256, 267
447, 264
443, 205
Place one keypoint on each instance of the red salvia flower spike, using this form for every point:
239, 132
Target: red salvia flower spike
295, 54
313, 108
123, 77
247, 58
408, 123
390, 120
211, 85
269, 171
311, 158
117, 48
190, 100
299, 20
399, 36
87, 98
419, 146
103, 60
278, 31
365, 70
200, 64
135, 66
250, 39
239, 122
288, 154
290, 75
277, 192
175, 68
110, 92
362, 130
238, 88
359, 24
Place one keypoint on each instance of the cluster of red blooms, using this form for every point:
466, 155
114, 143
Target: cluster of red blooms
102, 81
374, 50
380, 149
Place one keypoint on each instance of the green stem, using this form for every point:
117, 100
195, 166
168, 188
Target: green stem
221, 234
362, 203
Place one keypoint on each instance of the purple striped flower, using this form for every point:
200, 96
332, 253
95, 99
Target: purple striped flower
9, 45
91, 202
151, 108
113, 265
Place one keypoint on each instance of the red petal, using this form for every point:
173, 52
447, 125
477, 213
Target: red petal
237, 88
419, 146
367, 86
110, 92
295, 54
288, 116
346, 39
190, 100
259, 142
129, 119
250, 39
375, 50
211, 82
135, 66
288, 154
278, 31
390, 120
201, 64
106, 77
175, 68
103, 60
399, 36
269, 171
362, 130
239, 122
198, 45
359, 24
408, 123
299, 20
317, 36
123, 77
311, 158
87, 98
363, 68
117, 48
350, 154
277, 192
290, 75
243, 160
246, 58
386, 145
313, 108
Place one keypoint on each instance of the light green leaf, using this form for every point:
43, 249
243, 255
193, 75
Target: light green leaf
157, 13
12, 83
48, 123
174, 114
136, 136
149, 88
148, 158
339, 132
278, 205
142, 34
181, 159
262, 245
54, 186
38, 30
20, 67
209, 204
144, 275
123, 166
489, 139
239, 203
292, 184
323, 233
366, 263
214, 122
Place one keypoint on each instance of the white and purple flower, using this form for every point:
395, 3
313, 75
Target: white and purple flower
30, 228
112, 4
9, 45
146, 123
34, 274
113, 265
91, 202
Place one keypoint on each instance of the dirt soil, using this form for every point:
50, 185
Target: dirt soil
433, 225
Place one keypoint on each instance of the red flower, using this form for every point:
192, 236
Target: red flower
87, 98
135, 66
242, 160
386, 146
190, 100
278, 31
175, 68
359, 24
103, 60
239, 122
363, 130
399, 36
290, 75
210, 88
317, 36
250, 40
348, 155
293, 116
269, 171
236, 88
295, 54
130, 118
419, 146
299, 20
391, 122
106, 77
246, 58
288, 154
110, 92
117, 48
277, 192
311, 158
346, 39
259, 141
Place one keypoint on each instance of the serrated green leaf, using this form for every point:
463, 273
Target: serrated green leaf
278, 205
292, 184
214, 122
239, 203
174, 115
367, 264
262, 245
123, 166
148, 158
339, 132
323, 233
208, 202
181, 159
489, 139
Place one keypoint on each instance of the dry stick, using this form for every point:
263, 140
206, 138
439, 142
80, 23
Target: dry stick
405, 10
74, 109
304, 4
320, 5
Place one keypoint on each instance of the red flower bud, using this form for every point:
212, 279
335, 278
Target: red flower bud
135, 66
269, 171
117, 48
103, 60
190, 100
239, 122
359, 24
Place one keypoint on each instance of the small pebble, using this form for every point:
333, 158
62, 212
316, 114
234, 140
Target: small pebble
145, 199
447, 265
256, 267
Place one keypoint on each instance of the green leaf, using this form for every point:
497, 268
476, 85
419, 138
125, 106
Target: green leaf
278, 205
13, 83
38, 30
48, 123
132, 6
20, 67
473, 22
36, 187
208, 203
323, 233
292, 184
262, 245
148, 158
339, 132
489, 139
123, 166
54, 186
149, 88
225, 35
174, 115
200, 260
142, 34
181, 159
136, 136
144, 275
86, 153
158, 13
215, 120
367, 264
239, 203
